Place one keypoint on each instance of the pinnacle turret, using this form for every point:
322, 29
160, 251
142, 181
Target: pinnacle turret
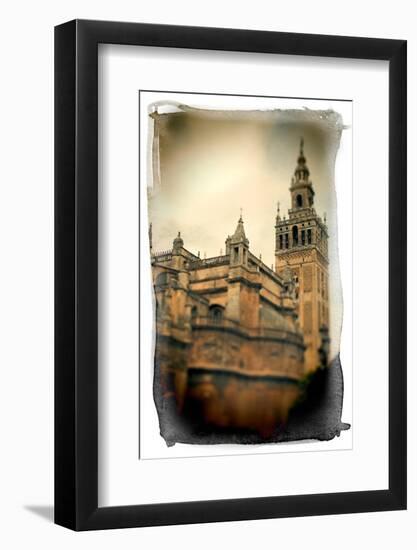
239, 235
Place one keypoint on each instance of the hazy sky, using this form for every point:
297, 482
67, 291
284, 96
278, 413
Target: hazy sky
213, 163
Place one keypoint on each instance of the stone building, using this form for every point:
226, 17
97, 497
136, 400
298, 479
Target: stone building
234, 337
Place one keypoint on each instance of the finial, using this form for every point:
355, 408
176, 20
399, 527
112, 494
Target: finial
241, 214
198, 253
179, 233
301, 145
325, 217
260, 256
205, 255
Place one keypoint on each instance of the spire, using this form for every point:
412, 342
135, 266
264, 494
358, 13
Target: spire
238, 245
239, 234
302, 192
178, 242
278, 212
301, 172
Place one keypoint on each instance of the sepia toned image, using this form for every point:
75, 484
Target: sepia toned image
246, 282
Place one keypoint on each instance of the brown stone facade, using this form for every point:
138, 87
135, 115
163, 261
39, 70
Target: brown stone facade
233, 337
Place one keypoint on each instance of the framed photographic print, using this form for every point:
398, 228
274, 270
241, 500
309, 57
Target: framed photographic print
230, 252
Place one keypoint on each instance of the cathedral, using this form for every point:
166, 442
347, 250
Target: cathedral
234, 337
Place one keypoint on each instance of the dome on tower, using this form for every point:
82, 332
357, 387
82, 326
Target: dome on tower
178, 242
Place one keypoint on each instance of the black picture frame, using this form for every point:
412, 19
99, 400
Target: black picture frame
76, 274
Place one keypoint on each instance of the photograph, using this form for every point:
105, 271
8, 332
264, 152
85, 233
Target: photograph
243, 247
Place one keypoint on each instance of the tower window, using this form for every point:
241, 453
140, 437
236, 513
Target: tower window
280, 241
295, 235
303, 237
309, 236
299, 201
286, 240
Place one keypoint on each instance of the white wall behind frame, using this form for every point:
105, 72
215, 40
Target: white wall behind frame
26, 224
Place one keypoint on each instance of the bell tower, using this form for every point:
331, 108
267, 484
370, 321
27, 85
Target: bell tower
301, 245
238, 245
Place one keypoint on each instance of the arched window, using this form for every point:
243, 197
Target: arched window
236, 254
295, 235
299, 200
309, 236
280, 241
216, 314
162, 279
